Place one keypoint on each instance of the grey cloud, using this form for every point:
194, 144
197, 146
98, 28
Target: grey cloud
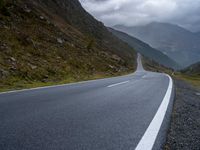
137, 12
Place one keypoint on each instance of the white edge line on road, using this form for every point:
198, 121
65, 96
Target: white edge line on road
51, 86
150, 135
61, 85
118, 84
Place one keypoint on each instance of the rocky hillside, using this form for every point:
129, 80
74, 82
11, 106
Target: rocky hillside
44, 41
175, 41
146, 50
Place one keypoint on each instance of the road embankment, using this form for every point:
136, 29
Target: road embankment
184, 130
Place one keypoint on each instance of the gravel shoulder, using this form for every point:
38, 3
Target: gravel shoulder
184, 131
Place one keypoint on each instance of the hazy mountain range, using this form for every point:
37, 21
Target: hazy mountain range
146, 50
178, 43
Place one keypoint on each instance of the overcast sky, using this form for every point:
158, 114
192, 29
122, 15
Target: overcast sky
185, 13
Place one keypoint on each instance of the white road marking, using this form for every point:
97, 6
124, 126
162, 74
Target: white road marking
118, 84
150, 135
61, 85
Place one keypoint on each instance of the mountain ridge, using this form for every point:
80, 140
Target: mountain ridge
178, 43
146, 50
194, 69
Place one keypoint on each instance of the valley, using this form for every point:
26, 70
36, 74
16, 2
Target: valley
179, 44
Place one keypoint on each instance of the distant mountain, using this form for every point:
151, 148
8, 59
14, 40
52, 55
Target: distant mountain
176, 42
55, 40
193, 69
146, 50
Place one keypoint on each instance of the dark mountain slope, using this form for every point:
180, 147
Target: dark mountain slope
38, 45
193, 69
72, 13
146, 50
177, 42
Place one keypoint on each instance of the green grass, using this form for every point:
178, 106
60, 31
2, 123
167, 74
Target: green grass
192, 79
18, 84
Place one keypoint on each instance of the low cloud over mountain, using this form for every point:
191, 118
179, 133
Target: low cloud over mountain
138, 12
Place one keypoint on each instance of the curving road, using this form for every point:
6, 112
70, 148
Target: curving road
121, 113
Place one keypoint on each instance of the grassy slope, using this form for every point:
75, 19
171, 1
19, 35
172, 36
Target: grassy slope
63, 12
37, 49
191, 74
192, 79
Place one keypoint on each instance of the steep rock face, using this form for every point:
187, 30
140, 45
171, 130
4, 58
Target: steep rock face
177, 42
52, 41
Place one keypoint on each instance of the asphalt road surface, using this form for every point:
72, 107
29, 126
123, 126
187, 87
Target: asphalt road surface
120, 113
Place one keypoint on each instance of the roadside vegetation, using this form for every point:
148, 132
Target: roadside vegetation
191, 79
18, 84
191, 74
